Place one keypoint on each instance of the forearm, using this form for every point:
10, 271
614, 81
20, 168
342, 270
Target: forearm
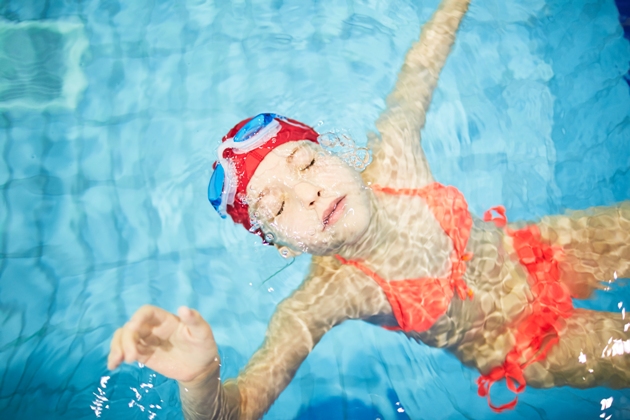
424, 61
326, 299
207, 398
267, 373
270, 370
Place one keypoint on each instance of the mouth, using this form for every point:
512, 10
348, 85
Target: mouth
334, 212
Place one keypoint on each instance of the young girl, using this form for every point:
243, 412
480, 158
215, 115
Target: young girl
393, 247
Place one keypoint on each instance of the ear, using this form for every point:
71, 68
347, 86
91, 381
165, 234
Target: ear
286, 252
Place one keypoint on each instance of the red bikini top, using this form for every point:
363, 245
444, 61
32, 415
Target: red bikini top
418, 303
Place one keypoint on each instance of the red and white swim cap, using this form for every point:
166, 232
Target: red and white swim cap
242, 150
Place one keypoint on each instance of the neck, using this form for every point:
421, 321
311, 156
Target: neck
370, 240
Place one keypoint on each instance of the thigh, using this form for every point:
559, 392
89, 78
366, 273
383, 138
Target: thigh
596, 244
593, 351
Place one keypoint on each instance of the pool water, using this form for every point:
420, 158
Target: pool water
110, 115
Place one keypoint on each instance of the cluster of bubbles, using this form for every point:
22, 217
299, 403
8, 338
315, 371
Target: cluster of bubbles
145, 397
342, 145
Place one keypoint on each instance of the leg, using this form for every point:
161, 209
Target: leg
594, 350
596, 244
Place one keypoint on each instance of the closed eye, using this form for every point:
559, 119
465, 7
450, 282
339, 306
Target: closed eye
281, 209
309, 165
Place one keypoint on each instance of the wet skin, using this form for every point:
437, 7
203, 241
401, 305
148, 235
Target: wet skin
312, 202
308, 199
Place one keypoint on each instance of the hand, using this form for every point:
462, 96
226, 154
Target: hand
179, 347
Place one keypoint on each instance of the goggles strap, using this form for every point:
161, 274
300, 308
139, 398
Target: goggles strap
230, 184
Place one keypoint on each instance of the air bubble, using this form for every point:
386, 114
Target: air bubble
342, 145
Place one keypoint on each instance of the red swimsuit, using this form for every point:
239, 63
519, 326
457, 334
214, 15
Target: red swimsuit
418, 303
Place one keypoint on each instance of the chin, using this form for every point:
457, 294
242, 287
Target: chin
348, 230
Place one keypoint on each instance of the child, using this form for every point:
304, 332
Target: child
393, 247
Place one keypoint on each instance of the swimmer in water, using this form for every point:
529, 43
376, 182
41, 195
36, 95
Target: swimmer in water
393, 247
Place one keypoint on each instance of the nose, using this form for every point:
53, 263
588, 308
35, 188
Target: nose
307, 193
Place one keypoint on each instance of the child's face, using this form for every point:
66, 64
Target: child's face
309, 200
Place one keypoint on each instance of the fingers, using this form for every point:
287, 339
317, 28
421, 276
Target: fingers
128, 346
135, 340
149, 316
115, 357
152, 331
190, 317
129, 340
197, 326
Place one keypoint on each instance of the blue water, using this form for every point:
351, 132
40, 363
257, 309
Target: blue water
103, 204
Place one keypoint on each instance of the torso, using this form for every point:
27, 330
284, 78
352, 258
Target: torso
476, 330
410, 243
416, 247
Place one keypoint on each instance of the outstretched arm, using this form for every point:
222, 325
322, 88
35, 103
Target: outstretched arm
182, 347
398, 159
330, 296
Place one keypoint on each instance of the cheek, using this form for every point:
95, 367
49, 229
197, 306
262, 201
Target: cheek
339, 177
296, 226
304, 236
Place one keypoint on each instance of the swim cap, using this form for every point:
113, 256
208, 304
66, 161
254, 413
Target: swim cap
245, 161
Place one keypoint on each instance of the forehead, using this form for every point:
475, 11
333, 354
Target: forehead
275, 164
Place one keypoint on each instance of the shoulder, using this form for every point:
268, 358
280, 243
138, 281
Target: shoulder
325, 266
326, 275
398, 160
339, 290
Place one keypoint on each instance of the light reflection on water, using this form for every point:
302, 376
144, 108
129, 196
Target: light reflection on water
606, 404
103, 206
143, 399
101, 401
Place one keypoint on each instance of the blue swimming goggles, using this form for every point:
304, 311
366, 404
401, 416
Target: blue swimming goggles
223, 183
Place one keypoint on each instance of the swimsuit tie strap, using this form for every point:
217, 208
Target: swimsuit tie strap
356, 264
513, 374
456, 279
412, 192
341, 259
500, 221
462, 290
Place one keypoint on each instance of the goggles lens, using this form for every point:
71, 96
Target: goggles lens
254, 125
247, 135
215, 188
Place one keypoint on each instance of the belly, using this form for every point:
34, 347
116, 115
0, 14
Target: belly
478, 330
